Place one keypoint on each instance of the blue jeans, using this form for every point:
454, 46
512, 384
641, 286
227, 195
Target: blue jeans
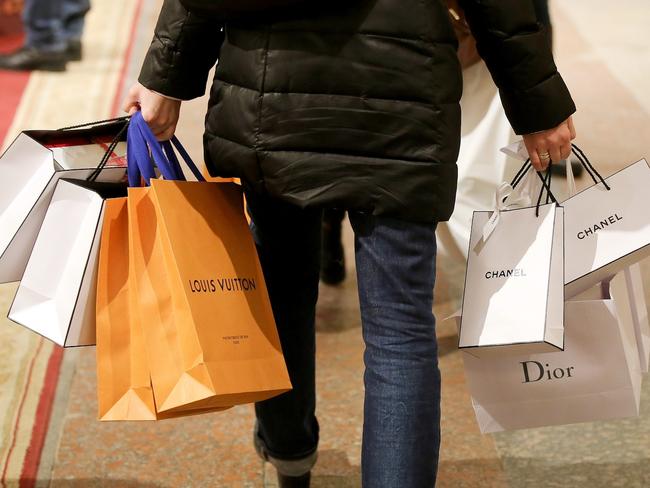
50, 24
395, 263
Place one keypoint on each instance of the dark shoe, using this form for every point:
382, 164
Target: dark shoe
332, 269
294, 481
288, 466
74, 50
29, 58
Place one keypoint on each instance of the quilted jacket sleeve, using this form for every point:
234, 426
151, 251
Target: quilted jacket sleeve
516, 49
185, 47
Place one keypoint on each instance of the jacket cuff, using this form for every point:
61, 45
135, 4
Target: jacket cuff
542, 107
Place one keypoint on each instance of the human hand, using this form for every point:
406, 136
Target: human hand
159, 112
550, 145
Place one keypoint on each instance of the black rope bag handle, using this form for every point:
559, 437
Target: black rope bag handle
97, 122
586, 164
546, 183
109, 150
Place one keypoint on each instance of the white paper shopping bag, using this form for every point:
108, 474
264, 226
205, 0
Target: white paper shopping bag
29, 170
56, 296
607, 230
596, 377
513, 300
627, 288
481, 167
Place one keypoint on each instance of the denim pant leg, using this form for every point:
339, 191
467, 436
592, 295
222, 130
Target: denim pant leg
288, 243
396, 274
43, 21
74, 13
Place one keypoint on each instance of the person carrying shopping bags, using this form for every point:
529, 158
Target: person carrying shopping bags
350, 105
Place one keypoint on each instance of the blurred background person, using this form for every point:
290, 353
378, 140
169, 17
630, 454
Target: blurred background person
10, 23
543, 16
53, 31
332, 269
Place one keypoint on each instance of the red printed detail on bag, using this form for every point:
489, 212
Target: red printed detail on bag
77, 141
114, 159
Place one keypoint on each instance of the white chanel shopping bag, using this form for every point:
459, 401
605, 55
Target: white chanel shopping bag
513, 299
607, 225
596, 377
56, 296
607, 230
29, 170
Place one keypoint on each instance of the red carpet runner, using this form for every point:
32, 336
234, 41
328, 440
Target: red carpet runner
12, 84
12, 87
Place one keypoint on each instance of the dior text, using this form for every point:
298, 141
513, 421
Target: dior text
535, 371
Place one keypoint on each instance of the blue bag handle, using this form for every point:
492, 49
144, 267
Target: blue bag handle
173, 159
132, 167
142, 140
139, 163
186, 157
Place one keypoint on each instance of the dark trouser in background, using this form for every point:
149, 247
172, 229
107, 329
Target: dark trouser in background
541, 10
51, 24
332, 261
395, 263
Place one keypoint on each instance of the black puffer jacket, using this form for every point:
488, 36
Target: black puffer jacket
355, 106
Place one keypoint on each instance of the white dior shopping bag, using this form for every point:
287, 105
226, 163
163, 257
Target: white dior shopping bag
29, 170
56, 296
513, 299
596, 377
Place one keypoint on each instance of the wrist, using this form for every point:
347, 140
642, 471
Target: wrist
166, 96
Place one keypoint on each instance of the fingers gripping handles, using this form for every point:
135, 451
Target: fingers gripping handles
546, 179
145, 153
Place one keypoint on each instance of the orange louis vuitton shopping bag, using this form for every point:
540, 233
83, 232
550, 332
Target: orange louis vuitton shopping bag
123, 384
202, 301
123, 377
